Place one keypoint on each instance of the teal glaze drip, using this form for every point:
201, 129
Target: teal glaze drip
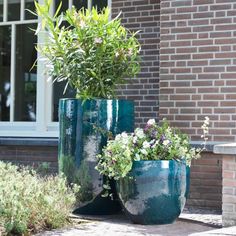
155, 191
84, 129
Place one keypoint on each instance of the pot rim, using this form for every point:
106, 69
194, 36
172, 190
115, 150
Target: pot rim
95, 99
178, 161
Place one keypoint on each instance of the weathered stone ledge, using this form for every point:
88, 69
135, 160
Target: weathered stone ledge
228, 148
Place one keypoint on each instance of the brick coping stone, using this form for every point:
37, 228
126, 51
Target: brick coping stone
228, 148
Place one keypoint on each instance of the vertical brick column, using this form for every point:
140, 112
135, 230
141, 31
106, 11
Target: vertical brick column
228, 152
143, 16
206, 182
229, 190
198, 66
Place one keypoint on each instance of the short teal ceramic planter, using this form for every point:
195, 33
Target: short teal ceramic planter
155, 191
84, 130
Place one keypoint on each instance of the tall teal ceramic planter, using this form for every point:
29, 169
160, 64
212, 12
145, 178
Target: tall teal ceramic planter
155, 193
84, 130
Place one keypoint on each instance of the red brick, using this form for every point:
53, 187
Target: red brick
203, 15
181, 3
201, 2
221, 21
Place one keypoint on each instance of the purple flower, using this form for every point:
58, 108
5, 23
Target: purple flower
153, 133
147, 127
163, 137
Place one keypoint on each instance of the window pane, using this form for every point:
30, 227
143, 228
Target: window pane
1, 10
25, 80
100, 4
80, 4
5, 61
58, 89
13, 10
64, 6
29, 4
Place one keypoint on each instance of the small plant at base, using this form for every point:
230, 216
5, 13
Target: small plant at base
154, 142
29, 203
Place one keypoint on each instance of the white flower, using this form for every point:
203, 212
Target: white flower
143, 151
166, 142
82, 24
124, 135
139, 133
146, 144
130, 52
117, 54
151, 122
154, 143
118, 137
135, 139
137, 157
123, 138
98, 40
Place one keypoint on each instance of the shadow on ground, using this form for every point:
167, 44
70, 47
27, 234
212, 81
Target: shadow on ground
119, 225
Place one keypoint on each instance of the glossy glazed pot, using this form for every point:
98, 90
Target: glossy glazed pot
155, 191
84, 129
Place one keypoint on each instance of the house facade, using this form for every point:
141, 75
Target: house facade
188, 71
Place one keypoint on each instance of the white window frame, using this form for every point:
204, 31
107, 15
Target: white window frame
43, 126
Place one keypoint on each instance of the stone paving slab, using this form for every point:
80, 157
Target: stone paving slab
218, 232
208, 217
121, 226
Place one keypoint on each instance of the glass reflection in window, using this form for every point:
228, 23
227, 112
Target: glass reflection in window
5, 69
58, 89
29, 5
80, 4
26, 79
1, 10
100, 4
13, 10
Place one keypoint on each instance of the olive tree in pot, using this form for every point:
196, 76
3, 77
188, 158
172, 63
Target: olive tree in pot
151, 169
92, 54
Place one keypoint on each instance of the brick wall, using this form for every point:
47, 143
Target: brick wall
30, 155
143, 15
198, 66
206, 182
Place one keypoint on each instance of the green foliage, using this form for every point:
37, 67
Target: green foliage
43, 169
116, 159
86, 49
154, 142
29, 203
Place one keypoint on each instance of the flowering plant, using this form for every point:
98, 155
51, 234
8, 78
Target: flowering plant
154, 142
87, 50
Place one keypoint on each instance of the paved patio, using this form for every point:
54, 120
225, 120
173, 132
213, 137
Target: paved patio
121, 227
192, 222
